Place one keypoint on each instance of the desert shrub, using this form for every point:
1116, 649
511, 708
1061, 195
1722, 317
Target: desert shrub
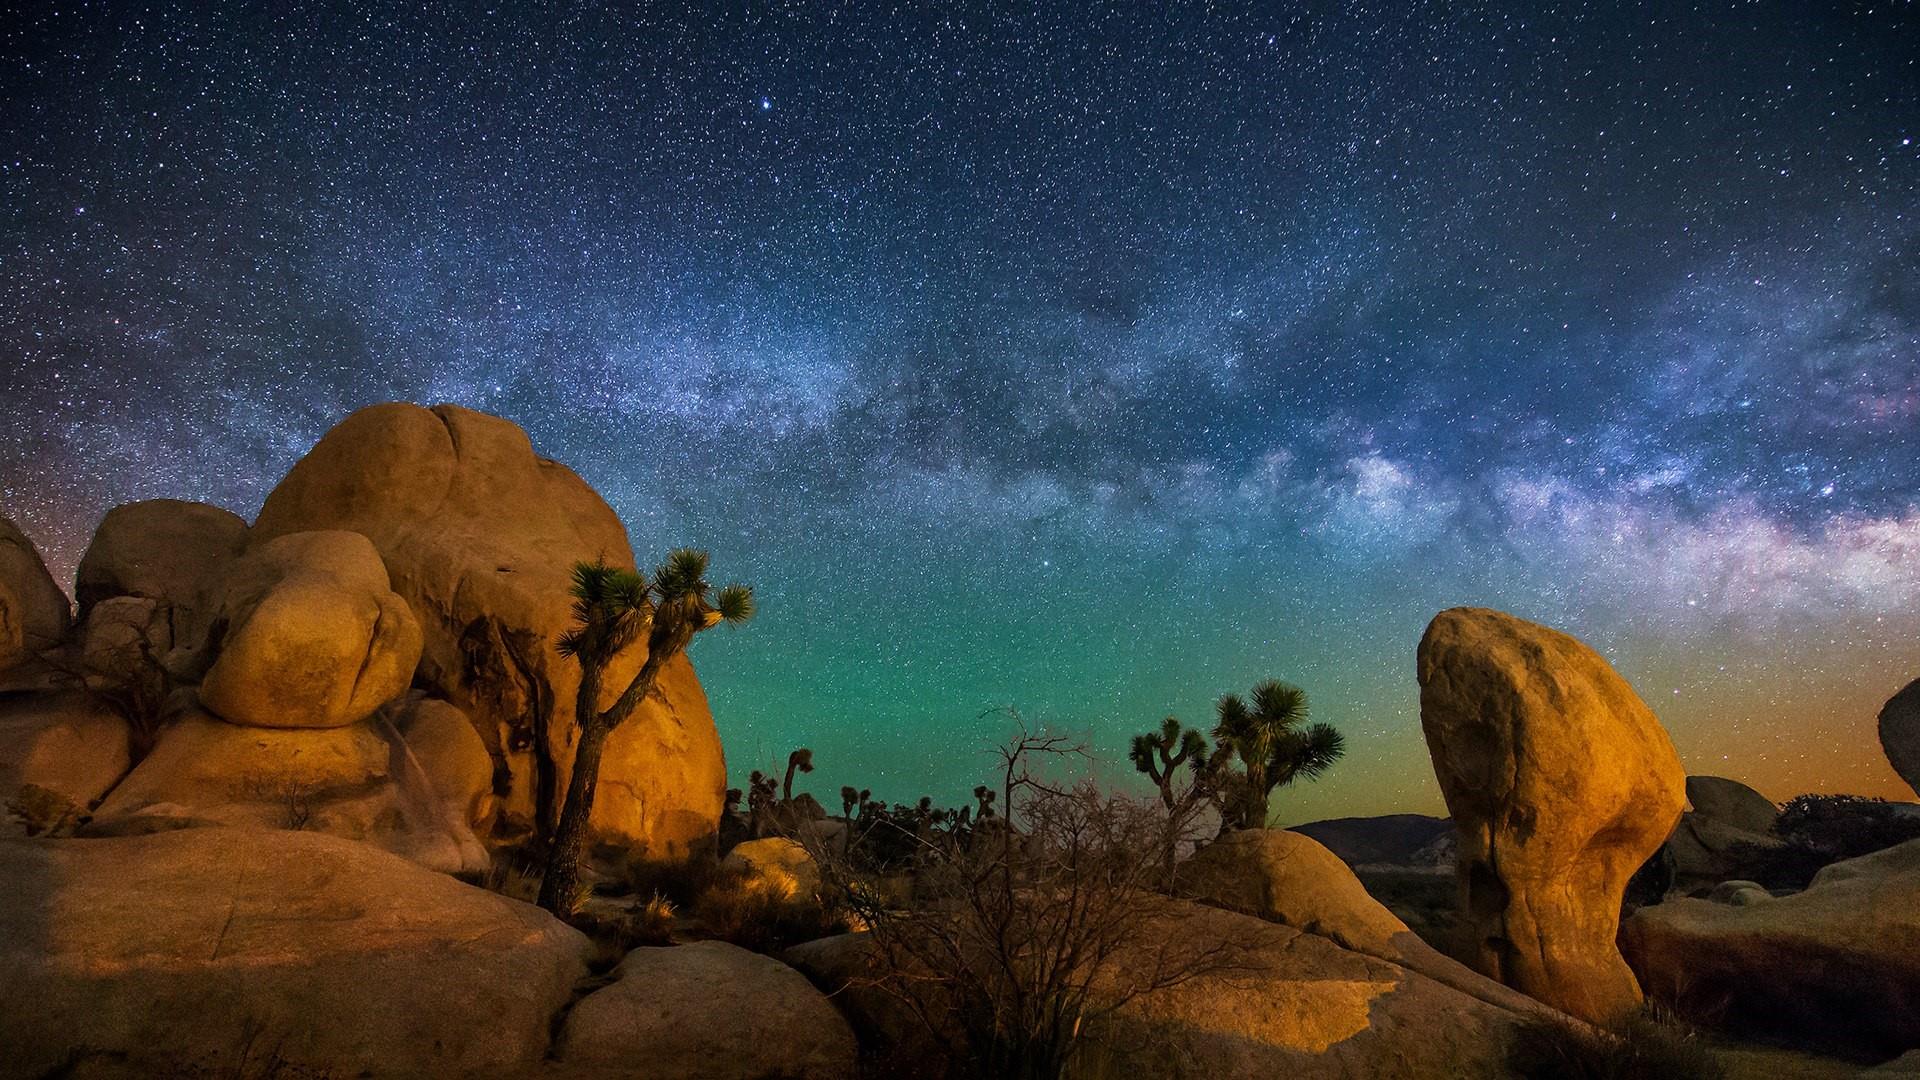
764, 914
652, 922
1645, 1046
1845, 826
681, 882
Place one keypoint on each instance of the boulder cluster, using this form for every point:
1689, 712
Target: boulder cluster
372, 658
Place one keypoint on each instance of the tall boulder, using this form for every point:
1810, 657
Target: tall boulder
1900, 733
311, 636
235, 952
480, 535
165, 550
34, 613
1561, 782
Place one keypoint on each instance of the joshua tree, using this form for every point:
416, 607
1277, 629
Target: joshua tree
760, 792
1160, 753
1275, 746
983, 795
612, 609
801, 759
849, 795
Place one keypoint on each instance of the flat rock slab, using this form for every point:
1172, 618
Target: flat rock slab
204, 951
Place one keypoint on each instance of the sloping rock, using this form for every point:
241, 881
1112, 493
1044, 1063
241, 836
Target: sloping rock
1900, 733
202, 951
342, 781
166, 550
34, 613
1283, 877
1561, 783
709, 1011
1706, 851
480, 535
64, 744
313, 637
1731, 802
1835, 967
1292, 1004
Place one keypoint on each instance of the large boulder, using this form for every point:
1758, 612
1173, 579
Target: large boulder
1900, 733
1731, 802
311, 636
778, 865
1561, 782
34, 613
709, 1011
1288, 1003
60, 752
480, 535
165, 550
209, 951
1288, 878
1704, 851
450, 755
352, 782
1835, 967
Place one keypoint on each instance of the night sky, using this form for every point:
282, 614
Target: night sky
1090, 363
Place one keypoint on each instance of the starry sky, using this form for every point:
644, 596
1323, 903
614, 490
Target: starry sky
1092, 362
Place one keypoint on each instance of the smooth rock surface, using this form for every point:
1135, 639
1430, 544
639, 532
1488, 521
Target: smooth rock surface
1835, 967
709, 1011
210, 951
480, 535
338, 781
451, 755
314, 637
167, 550
1561, 782
65, 743
34, 613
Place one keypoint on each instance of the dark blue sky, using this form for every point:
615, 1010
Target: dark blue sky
1092, 362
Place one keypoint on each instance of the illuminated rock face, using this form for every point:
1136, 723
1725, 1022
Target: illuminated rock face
198, 951
1561, 783
480, 536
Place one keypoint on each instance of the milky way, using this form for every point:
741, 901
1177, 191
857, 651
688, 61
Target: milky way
1090, 363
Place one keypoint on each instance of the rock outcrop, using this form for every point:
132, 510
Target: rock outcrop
1292, 1004
60, 752
352, 782
709, 1011
1731, 803
210, 951
165, 550
445, 747
1900, 733
1288, 878
311, 635
480, 535
1836, 967
1561, 782
34, 613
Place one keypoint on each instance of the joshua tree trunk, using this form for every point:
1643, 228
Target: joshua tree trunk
562, 879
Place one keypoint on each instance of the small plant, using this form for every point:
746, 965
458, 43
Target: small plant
652, 922
1645, 1046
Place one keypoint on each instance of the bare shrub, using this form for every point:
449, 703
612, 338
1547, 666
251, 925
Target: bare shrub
1023, 934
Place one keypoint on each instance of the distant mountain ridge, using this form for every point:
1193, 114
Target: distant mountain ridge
1400, 839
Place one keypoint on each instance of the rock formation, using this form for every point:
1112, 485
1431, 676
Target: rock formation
444, 746
34, 613
1731, 802
1836, 967
480, 535
60, 752
210, 952
1295, 1004
1561, 783
164, 550
1900, 733
709, 1011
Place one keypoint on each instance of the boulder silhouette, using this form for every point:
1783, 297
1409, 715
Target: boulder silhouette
162, 549
1900, 733
1561, 782
34, 613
